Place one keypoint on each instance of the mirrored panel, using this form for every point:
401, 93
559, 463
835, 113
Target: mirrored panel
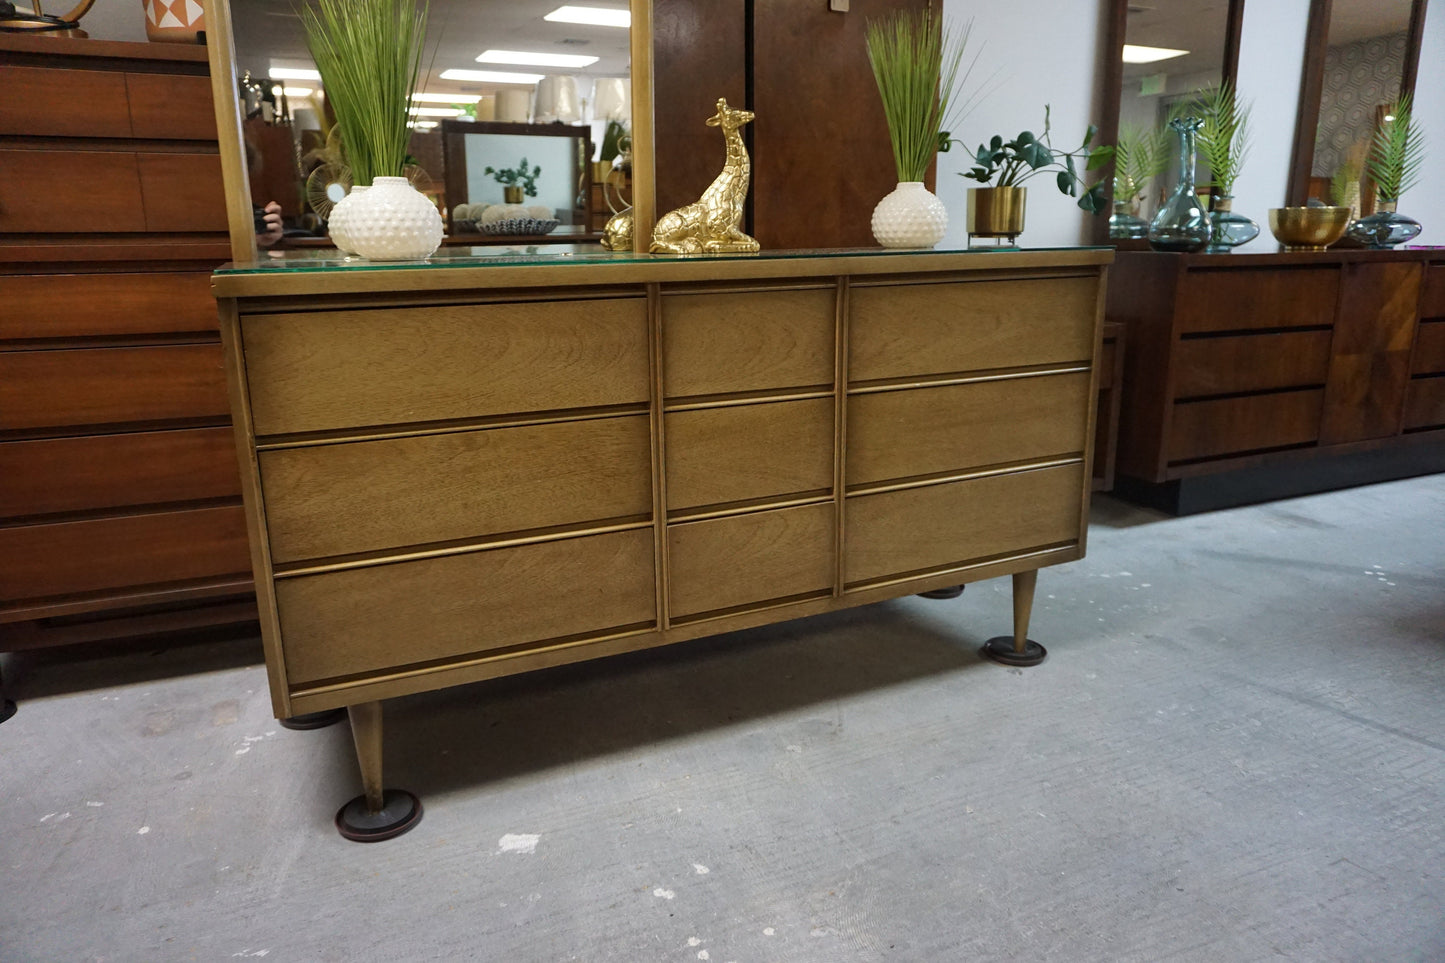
515, 179
485, 61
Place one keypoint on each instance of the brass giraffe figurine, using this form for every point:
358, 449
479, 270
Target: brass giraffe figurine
709, 225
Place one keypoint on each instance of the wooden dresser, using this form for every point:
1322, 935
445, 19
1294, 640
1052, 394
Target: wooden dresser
1251, 376
460, 472
120, 507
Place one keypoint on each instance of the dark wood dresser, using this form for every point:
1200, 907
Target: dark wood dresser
120, 509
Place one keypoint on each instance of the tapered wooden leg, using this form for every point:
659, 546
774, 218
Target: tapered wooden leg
1020, 649
378, 813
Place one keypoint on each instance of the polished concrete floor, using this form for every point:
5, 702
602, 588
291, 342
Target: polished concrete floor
1235, 752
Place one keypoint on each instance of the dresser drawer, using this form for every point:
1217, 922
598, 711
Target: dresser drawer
724, 563
64, 558
114, 471
351, 622
1238, 299
741, 452
80, 305
924, 431
922, 329
934, 527
747, 341
1429, 354
1425, 403
347, 369
49, 102
182, 192
1251, 362
171, 106
366, 496
102, 195
94, 386
1432, 297
1207, 429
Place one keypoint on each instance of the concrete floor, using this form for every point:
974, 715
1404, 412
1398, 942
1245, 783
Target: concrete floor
1235, 752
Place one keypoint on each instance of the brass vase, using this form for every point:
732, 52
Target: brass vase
996, 212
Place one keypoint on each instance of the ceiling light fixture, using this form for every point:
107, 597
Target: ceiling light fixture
447, 98
298, 91
529, 59
294, 73
490, 76
592, 16
1135, 54
436, 111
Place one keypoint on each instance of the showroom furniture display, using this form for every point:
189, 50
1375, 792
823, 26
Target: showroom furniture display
1250, 376
474, 467
120, 509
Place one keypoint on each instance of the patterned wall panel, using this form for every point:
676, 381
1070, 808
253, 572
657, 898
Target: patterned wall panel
1358, 78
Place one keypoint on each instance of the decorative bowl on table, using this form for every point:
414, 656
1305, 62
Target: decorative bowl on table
519, 225
1308, 228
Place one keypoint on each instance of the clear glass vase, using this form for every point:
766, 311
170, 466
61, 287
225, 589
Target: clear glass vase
1125, 225
1228, 230
1182, 224
1384, 228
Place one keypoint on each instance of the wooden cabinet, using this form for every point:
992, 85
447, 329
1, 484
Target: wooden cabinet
455, 473
120, 508
1264, 373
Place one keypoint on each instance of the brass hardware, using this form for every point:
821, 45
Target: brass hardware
709, 225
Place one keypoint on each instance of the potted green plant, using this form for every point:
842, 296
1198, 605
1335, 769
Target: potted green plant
368, 53
1397, 152
918, 65
516, 181
1139, 156
997, 209
1223, 144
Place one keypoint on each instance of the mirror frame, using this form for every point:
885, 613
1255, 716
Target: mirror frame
1114, 88
1312, 82
221, 52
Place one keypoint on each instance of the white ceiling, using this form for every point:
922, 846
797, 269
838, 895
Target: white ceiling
268, 32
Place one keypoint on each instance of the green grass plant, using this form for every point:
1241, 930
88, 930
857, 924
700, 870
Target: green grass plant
1396, 152
1224, 137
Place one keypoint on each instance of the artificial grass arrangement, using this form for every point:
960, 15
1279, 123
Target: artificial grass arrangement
916, 61
369, 55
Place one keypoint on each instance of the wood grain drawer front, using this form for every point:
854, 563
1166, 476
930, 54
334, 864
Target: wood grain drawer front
1238, 299
926, 431
1432, 298
717, 455
350, 623
98, 472
171, 106
367, 496
1425, 404
1429, 354
94, 386
748, 341
80, 305
1251, 362
50, 102
182, 192
899, 332
339, 369
105, 194
724, 563
1206, 429
940, 526
63, 558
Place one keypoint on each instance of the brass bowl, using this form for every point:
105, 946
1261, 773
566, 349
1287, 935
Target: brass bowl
1308, 228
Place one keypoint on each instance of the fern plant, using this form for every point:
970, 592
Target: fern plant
1396, 152
1224, 137
1140, 156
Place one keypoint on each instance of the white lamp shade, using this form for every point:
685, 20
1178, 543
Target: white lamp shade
514, 106
557, 100
611, 99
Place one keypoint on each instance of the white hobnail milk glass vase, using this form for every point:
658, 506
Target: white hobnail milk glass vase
393, 222
336, 223
910, 216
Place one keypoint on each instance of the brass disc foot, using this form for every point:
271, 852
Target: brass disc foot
314, 720
399, 812
1001, 649
947, 592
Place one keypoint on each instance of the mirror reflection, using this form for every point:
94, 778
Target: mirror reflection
516, 178
1364, 63
522, 62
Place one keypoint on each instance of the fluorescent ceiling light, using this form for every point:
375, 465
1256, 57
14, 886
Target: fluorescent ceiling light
436, 111
294, 73
447, 98
534, 59
298, 91
592, 16
422, 124
490, 76
1135, 54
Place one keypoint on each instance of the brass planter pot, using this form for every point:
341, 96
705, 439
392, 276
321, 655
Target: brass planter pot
996, 212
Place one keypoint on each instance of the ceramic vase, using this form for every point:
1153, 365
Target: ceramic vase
393, 222
336, 223
174, 21
1182, 224
1384, 228
910, 216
